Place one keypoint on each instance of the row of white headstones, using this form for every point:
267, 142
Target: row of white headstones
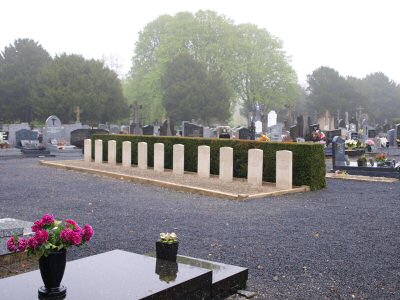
284, 161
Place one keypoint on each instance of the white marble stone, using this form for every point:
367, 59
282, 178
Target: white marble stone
112, 152
87, 150
126, 154
98, 151
159, 157
226, 164
284, 169
142, 155
178, 159
255, 167
203, 161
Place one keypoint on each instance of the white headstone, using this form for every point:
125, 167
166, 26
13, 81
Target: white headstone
112, 152
255, 167
98, 151
126, 154
284, 169
272, 116
179, 159
53, 130
159, 157
87, 150
203, 162
258, 126
226, 164
142, 155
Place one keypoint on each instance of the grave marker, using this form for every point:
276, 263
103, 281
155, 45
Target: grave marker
98, 151
178, 159
284, 169
112, 152
255, 167
226, 164
159, 157
203, 161
126, 154
142, 155
87, 150
338, 152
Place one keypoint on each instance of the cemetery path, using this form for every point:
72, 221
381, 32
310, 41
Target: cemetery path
338, 243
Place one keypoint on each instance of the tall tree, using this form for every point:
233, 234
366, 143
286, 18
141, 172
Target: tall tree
20, 65
190, 92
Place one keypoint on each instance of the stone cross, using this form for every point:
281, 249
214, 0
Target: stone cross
78, 114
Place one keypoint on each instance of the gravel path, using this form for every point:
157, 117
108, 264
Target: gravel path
339, 243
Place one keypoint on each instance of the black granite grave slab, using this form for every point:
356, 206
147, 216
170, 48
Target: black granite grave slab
116, 275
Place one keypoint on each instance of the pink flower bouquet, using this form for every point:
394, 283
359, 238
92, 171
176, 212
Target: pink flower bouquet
50, 236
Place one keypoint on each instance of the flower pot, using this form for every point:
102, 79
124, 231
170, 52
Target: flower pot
52, 270
361, 163
167, 251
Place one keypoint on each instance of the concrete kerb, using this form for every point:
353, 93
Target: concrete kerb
177, 187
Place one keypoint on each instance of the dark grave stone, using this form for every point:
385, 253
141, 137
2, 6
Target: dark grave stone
342, 123
371, 133
135, 129
192, 130
78, 136
244, 133
338, 152
331, 134
335, 123
252, 131
392, 137
148, 130
354, 135
294, 132
223, 132
300, 126
167, 129
26, 135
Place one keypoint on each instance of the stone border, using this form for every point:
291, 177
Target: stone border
361, 178
177, 187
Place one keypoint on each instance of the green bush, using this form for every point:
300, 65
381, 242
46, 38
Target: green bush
308, 158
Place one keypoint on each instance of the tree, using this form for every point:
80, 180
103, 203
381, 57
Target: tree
20, 65
190, 92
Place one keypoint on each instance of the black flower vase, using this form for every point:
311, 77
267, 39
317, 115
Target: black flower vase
52, 270
167, 251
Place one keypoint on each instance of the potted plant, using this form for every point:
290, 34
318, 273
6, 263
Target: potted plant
381, 159
51, 240
167, 246
362, 161
369, 145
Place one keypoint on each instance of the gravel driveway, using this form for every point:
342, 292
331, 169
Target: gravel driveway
339, 243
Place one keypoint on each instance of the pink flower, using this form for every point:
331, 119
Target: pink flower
47, 219
88, 232
33, 243
22, 244
38, 225
11, 245
76, 238
71, 223
41, 236
66, 235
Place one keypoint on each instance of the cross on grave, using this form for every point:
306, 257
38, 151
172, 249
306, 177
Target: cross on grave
78, 114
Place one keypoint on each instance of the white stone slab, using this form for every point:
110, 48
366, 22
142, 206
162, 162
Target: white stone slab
98, 151
112, 152
178, 159
142, 155
126, 154
87, 150
226, 164
284, 169
159, 157
203, 161
255, 167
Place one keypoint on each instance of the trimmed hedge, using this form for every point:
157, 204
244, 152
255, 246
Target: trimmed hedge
308, 158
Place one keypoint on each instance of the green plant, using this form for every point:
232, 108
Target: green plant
363, 158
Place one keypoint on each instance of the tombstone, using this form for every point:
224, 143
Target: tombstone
148, 130
142, 155
191, 130
98, 151
300, 126
284, 169
338, 152
272, 117
115, 129
224, 132
26, 139
126, 154
294, 131
159, 157
135, 129
207, 133
87, 150
167, 129
243, 133
353, 127
342, 123
112, 152
276, 133
79, 135
103, 126
226, 164
378, 129
354, 135
385, 126
252, 131
371, 133
203, 161
258, 127
53, 131
68, 128
12, 129
178, 159
255, 167
392, 137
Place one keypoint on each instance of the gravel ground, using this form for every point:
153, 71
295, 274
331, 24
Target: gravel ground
338, 243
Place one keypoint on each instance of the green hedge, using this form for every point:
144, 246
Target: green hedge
308, 158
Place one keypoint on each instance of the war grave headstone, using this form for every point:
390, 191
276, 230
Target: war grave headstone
78, 136
148, 130
276, 132
191, 130
243, 133
338, 152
